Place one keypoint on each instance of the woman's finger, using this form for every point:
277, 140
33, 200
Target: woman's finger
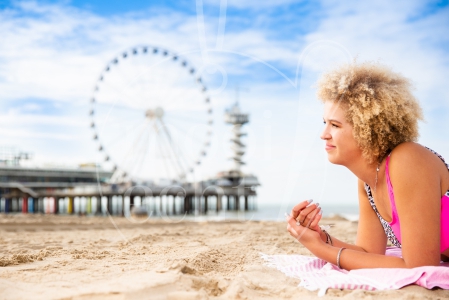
316, 220
307, 214
292, 232
298, 207
310, 217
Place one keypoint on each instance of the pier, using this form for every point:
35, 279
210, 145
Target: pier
128, 199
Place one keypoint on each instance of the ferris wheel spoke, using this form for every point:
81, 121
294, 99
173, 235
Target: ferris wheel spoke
174, 100
116, 106
181, 96
147, 91
115, 89
130, 82
176, 149
140, 156
156, 82
173, 83
186, 133
169, 146
182, 160
118, 122
173, 157
172, 118
133, 147
123, 132
162, 150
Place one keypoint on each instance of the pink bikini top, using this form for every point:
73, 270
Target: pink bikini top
394, 224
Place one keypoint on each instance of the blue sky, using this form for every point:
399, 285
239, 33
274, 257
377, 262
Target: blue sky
52, 53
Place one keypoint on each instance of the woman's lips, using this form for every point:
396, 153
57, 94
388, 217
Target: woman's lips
329, 147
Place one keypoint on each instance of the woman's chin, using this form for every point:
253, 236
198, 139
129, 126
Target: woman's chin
333, 159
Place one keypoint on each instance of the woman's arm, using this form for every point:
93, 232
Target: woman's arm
370, 233
371, 236
416, 176
350, 258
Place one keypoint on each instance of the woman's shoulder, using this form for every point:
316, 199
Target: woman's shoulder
410, 155
410, 150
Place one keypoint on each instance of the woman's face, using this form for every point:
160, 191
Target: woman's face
341, 147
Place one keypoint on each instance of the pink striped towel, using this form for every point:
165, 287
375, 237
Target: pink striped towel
317, 274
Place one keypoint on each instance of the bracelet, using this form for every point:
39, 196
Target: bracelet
338, 257
328, 239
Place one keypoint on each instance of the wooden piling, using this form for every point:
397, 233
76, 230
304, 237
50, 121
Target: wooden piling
25, 205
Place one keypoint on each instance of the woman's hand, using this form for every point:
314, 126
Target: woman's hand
307, 215
304, 235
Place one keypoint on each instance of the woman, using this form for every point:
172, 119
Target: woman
370, 127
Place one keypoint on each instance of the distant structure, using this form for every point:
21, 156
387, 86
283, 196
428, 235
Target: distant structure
11, 157
236, 118
235, 179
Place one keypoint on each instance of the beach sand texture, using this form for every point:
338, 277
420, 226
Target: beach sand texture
66, 257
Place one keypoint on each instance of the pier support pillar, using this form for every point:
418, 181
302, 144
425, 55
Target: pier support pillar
98, 205
167, 205
109, 204
131, 202
56, 205
70, 206
7, 205
30, 205
185, 206
189, 204
219, 200
25, 205
35, 205
246, 203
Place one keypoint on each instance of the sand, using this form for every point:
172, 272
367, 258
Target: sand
70, 257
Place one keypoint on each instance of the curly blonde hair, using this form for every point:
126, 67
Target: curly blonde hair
379, 105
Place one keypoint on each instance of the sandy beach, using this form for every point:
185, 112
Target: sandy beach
66, 257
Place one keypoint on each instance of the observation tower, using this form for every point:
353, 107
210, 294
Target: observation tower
235, 177
235, 117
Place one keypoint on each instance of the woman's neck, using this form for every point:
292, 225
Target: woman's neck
367, 172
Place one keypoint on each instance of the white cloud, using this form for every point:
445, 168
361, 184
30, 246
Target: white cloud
251, 4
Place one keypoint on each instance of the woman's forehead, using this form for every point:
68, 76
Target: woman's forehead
334, 110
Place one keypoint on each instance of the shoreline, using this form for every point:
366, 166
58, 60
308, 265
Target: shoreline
60, 257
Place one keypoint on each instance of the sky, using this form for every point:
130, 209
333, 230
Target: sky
54, 54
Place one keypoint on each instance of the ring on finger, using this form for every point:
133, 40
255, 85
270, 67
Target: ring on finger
298, 222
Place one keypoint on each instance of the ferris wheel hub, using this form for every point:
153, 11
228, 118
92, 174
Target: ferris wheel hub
156, 113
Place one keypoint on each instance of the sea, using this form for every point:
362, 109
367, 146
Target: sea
263, 212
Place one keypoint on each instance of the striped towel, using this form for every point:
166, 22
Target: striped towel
317, 274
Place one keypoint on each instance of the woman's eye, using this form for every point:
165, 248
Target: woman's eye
333, 125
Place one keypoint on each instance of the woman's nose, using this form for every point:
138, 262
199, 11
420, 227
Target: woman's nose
325, 134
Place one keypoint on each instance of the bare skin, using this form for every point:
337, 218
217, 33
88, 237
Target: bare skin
419, 178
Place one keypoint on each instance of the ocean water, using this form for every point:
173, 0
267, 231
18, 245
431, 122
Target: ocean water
262, 213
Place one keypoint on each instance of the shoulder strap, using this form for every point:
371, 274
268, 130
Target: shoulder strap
390, 187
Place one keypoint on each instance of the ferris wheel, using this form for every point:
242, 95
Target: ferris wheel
151, 115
